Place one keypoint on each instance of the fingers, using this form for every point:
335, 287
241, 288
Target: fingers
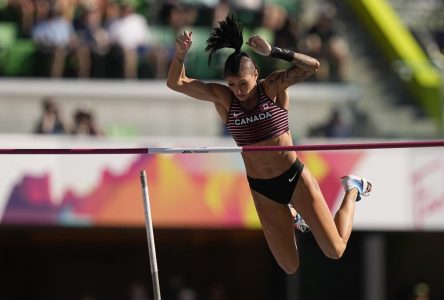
252, 41
185, 39
259, 45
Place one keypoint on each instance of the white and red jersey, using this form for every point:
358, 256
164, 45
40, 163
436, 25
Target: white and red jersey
266, 121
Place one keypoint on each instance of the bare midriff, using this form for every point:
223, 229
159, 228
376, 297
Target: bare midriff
269, 164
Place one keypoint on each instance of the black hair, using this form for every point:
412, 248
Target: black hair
228, 35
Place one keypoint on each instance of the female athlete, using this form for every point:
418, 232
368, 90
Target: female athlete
256, 113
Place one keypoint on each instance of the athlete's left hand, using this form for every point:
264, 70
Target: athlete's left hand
259, 45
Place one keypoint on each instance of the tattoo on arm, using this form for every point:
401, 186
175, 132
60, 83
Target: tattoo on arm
305, 62
303, 67
293, 75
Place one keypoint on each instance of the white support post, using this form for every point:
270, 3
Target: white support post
150, 236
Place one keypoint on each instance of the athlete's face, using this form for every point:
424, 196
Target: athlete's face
243, 84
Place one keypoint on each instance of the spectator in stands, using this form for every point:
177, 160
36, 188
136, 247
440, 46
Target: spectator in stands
130, 35
85, 123
283, 31
19, 12
221, 10
114, 61
276, 19
203, 10
94, 38
323, 42
56, 39
42, 10
336, 126
50, 121
180, 16
248, 11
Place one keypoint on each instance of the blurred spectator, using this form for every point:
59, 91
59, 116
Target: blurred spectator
21, 12
181, 16
50, 121
85, 123
220, 12
94, 38
276, 19
323, 42
253, 5
27, 9
283, 31
109, 38
130, 35
336, 127
178, 18
56, 39
248, 12
114, 60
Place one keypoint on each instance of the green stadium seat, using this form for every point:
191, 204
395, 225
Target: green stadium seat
20, 58
247, 17
8, 36
163, 35
197, 58
291, 6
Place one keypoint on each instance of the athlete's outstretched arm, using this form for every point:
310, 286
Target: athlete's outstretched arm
304, 65
178, 81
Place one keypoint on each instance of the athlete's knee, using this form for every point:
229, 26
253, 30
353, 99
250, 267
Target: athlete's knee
335, 251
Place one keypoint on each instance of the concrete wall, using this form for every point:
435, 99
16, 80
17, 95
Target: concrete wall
149, 107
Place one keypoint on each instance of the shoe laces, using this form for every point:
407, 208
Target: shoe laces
300, 224
368, 188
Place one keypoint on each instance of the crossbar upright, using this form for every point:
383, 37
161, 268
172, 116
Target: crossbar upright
150, 236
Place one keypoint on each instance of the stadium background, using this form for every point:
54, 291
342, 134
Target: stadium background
72, 228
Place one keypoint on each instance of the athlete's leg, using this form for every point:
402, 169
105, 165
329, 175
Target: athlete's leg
331, 234
277, 223
344, 216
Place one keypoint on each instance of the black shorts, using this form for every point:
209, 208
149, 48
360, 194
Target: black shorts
279, 188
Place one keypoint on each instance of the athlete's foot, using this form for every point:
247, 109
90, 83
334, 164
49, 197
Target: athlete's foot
362, 185
300, 224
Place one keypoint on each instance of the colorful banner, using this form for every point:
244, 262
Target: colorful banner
210, 190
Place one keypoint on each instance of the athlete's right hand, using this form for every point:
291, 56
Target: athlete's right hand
183, 43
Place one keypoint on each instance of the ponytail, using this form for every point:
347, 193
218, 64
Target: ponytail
227, 35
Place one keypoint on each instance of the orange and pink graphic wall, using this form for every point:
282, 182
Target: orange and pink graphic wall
190, 190
211, 190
